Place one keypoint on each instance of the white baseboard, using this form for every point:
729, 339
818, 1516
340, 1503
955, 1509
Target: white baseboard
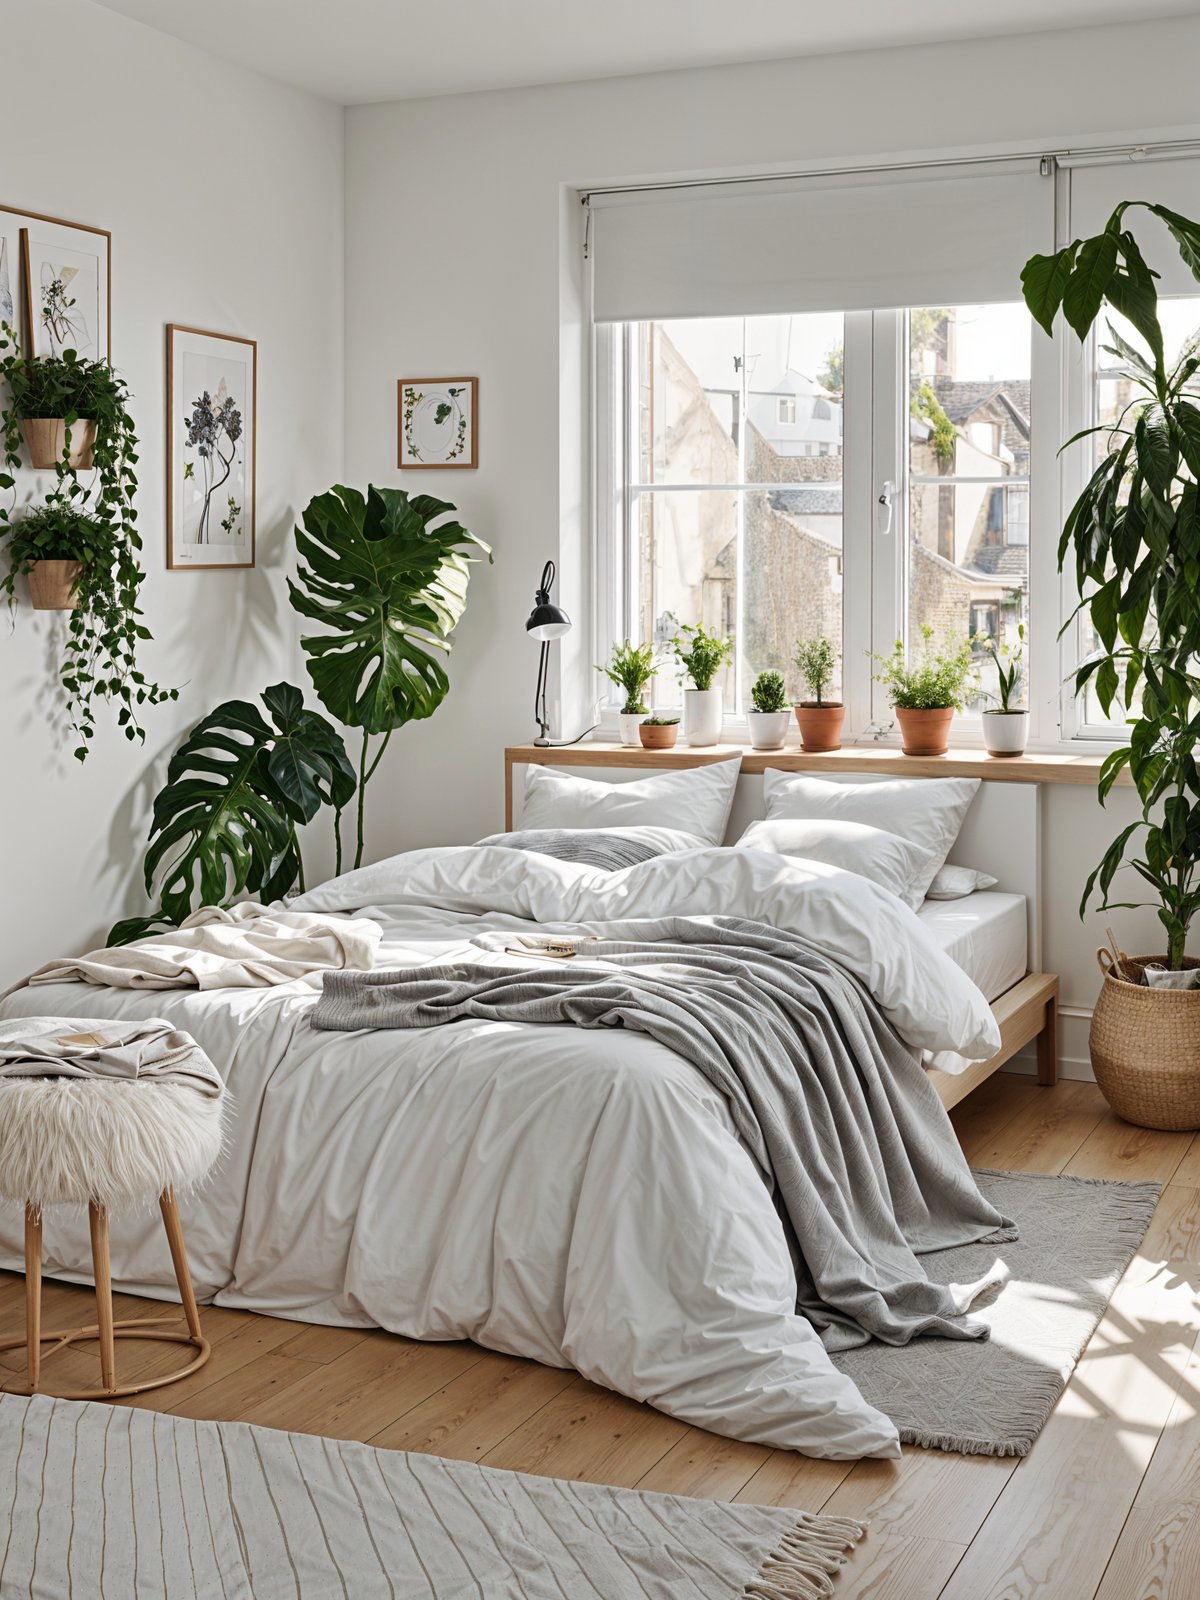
1074, 1057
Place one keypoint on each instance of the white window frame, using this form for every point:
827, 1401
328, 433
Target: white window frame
874, 598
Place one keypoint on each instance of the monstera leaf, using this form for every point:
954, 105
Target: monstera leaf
388, 580
237, 788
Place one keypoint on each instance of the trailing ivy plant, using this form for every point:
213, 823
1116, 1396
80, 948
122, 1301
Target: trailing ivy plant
97, 519
1133, 538
386, 577
237, 789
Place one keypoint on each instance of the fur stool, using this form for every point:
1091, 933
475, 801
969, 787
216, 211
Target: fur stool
108, 1144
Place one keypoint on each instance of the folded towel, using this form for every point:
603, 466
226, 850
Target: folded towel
86, 1047
246, 946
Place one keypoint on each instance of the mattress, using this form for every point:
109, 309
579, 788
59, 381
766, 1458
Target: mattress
986, 934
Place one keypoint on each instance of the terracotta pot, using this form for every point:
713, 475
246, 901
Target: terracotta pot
925, 733
52, 585
820, 725
658, 736
46, 436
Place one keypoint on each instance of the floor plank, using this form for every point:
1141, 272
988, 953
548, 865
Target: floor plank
477, 1410
1044, 1135
1116, 1149
707, 1465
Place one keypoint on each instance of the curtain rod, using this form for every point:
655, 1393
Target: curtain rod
1047, 160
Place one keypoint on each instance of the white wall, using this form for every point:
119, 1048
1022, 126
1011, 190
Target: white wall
223, 193
462, 256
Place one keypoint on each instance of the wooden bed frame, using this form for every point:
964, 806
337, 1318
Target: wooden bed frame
1027, 1013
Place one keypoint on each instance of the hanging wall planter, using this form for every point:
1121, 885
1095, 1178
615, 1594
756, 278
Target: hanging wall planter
47, 444
52, 585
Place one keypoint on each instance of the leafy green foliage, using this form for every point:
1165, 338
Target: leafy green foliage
1010, 668
237, 788
817, 660
926, 405
701, 654
631, 667
98, 525
937, 678
660, 722
769, 692
1134, 538
387, 579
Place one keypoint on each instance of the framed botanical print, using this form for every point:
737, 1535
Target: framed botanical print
437, 422
212, 418
55, 284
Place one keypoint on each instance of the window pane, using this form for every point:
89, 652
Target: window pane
968, 514
756, 403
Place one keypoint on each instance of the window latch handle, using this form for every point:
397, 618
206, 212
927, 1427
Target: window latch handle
886, 501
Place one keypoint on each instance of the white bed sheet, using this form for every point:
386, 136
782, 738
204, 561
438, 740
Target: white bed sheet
986, 934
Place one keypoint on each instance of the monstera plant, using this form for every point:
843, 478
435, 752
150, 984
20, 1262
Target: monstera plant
237, 788
386, 576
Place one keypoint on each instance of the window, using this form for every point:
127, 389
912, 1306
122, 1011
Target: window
732, 508
745, 440
968, 475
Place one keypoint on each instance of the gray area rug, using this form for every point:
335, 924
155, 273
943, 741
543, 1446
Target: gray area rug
101, 1500
993, 1397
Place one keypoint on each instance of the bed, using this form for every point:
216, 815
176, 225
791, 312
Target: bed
383, 1179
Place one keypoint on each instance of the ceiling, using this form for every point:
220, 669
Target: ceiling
357, 51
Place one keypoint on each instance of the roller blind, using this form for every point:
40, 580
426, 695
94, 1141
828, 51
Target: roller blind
1097, 188
878, 240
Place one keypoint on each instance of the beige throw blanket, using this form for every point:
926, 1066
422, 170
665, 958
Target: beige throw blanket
85, 1047
247, 946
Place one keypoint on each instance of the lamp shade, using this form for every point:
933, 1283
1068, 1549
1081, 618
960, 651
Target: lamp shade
547, 621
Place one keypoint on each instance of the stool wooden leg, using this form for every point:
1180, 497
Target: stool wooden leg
33, 1294
170, 1216
101, 1271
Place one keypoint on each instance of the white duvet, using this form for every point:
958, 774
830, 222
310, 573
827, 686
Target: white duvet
573, 1196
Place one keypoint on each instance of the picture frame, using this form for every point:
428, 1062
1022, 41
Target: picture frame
212, 449
56, 283
437, 423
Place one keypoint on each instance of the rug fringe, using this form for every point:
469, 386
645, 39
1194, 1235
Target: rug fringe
802, 1564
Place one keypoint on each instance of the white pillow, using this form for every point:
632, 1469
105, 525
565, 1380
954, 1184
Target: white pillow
928, 811
954, 883
903, 868
696, 800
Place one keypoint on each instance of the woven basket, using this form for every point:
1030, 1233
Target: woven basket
1145, 1046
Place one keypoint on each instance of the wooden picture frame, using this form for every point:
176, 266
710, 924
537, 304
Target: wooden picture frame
425, 405
222, 369
21, 238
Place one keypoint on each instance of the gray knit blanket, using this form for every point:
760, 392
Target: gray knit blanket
838, 1113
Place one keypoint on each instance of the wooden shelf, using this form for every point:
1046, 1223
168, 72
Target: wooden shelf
1032, 768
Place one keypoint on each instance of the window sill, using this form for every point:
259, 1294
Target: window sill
1033, 767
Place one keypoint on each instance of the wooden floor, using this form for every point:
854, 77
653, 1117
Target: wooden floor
1107, 1505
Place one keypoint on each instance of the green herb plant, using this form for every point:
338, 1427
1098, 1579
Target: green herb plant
660, 722
936, 678
96, 521
769, 692
1010, 670
817, 660
701, 654
631, 667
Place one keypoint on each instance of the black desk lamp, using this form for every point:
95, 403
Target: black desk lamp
546, 622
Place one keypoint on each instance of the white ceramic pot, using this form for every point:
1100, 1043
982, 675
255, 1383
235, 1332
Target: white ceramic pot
702, 716
628, 723
768, 729
1005, 732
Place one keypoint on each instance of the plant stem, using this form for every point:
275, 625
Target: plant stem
365, 774
299, 860
337, 842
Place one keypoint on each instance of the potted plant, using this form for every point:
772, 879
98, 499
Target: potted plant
60, 406
631, 667
820, 720
926, 691
50, 546
1005, 725
658, 733
95, 525
1131, 537
701, 655
771, 712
